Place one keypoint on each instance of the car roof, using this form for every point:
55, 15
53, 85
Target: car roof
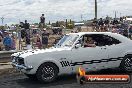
83, 33
115, 35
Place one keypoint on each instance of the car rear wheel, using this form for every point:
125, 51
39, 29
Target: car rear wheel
47, 72
126, 64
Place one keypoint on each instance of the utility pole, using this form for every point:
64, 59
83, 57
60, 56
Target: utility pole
2, 20
66, 23
115, 14
96, 12
120, 14
19, 20
81, 17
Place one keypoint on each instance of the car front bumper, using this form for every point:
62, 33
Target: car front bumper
22, 67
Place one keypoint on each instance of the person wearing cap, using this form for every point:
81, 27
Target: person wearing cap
45, 37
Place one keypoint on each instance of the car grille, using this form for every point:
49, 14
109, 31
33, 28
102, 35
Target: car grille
18, 60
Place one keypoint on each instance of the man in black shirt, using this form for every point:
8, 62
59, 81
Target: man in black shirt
27, 32
42, 21
23, 31
26, 25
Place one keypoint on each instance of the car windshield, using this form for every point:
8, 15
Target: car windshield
67, 40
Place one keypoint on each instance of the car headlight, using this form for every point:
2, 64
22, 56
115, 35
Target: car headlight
18, 60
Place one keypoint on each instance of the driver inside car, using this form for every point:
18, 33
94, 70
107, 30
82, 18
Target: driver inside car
89, 42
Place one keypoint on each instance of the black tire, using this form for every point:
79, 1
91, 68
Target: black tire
47, 72
31, 76
126, 64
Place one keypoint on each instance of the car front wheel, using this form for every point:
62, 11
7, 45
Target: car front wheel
126, 64
47, 72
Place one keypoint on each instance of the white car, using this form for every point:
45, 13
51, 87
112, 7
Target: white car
111, 50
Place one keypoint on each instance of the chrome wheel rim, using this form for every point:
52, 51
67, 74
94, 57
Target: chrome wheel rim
128, 64
48, 73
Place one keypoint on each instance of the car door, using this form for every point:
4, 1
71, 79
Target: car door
116, 51
89, 58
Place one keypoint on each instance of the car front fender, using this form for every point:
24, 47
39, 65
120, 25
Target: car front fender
128, 53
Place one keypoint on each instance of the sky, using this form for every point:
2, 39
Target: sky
14, 11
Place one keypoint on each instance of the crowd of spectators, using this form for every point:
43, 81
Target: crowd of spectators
116, 26
33, 38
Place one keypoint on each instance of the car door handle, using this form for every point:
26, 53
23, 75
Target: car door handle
103, 48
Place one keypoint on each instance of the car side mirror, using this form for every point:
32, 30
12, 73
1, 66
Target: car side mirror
77, 46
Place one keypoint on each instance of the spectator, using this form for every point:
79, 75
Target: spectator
27, 34
55, 31
26, 25
61, 36
13, 47
42, 21
101, 22
59, 31
1, 43
21, 25
120, 31
39, 44
28, 42
105, 29
106, 22
1, 34
115, 21
45, 36
7, 41
121, 20
130, 32
101, 29
125, 32
37, 41
23, 33
95, 24
72, 31
114, 29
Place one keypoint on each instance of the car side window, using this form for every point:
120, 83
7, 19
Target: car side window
103, 40
109, 40
88, 41
99, 40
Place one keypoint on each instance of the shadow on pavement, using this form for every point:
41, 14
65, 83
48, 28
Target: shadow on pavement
61, 80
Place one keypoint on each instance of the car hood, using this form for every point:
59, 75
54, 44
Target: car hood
27, 53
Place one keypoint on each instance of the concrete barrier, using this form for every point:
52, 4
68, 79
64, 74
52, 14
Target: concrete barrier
6, 54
